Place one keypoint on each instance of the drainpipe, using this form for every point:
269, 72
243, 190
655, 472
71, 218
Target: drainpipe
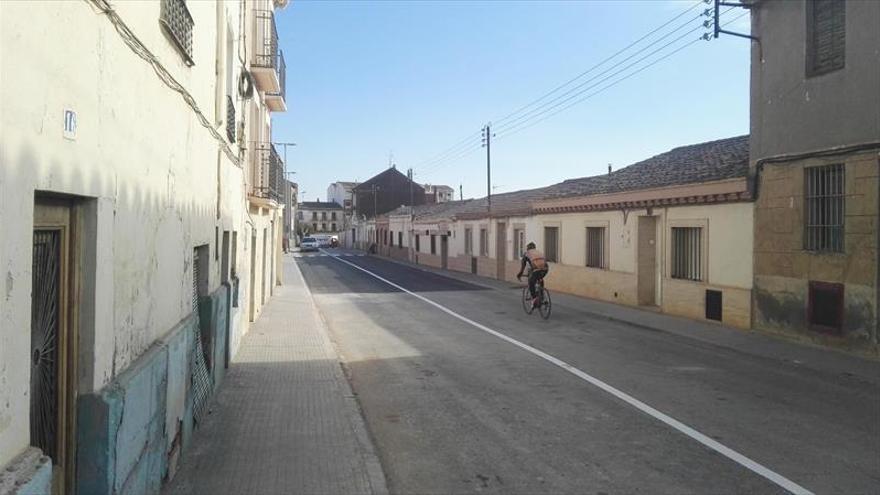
876, 335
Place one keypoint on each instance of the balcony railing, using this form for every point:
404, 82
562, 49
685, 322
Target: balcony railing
266, 38
281, 68
177, 21
267, 178
230, 119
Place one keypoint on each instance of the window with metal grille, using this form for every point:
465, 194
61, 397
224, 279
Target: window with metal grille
551, 244
484, 242
469, 241
596, 247
178, 23
519, 243
826, 36
687, 253
824, 208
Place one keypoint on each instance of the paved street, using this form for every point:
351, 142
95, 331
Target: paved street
454, 407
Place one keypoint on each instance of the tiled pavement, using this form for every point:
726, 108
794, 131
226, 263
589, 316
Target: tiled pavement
285, 419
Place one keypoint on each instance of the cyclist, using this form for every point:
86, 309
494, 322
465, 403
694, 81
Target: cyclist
537, 269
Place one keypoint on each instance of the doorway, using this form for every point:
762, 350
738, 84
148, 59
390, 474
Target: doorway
444, 251
647, 261
53, 339
253, 292
501, 249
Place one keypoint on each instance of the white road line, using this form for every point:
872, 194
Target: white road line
731, 454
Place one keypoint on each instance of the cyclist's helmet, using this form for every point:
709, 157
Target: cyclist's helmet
531, 245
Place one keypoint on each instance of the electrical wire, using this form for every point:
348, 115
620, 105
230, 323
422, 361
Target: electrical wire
580, 88
612, 56
467, 146
514, 130
141, 50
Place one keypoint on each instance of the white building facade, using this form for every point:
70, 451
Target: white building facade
140, 233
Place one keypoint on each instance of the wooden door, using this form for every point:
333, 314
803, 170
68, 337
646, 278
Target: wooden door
53, 340
501, 249
647, 260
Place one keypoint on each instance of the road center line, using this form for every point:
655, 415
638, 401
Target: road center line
731, 454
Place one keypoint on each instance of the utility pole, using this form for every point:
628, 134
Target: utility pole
487, 143
412, 213
460, 193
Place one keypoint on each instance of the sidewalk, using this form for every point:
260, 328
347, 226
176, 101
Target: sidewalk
285, 419
752, 342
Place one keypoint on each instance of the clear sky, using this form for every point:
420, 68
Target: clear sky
365, 79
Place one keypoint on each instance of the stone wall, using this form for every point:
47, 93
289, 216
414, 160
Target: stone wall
783, 268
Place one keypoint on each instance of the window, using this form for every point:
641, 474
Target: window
484, 242
596, 247
519, 243
826, 36
314, 215
824, 208
178, 23
551, 244
333, 227
433, 244
323, 226
418, 246
299, 214
400, 239
392, 238
314, 227
323, 215
385, 237
333, 216
687, 253
469, 241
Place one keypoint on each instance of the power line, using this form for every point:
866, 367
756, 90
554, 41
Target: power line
627, 47
577, 90
515, 129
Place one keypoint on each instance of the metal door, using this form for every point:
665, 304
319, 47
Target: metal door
53, 343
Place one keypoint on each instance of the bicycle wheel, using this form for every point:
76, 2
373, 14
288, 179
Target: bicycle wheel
545, 306
527, 301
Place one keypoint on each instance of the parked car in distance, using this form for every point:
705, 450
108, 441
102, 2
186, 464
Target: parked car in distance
309, 244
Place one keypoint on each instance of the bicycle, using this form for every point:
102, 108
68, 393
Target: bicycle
544, 305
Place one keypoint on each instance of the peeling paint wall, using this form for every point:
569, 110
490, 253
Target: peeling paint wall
150, 184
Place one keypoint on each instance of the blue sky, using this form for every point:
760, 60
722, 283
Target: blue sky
415, 78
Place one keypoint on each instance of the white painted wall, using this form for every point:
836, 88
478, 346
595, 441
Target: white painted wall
150, 171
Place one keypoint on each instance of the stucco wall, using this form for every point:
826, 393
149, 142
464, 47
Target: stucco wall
783, 268
149, 181
791, 113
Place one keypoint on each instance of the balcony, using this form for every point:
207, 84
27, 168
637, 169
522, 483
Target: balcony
267, 174
264, 64
276, 101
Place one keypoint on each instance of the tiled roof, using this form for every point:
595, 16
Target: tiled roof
704, 162
698, 163
320, 205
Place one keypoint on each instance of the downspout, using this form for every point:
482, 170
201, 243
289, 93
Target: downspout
876, 335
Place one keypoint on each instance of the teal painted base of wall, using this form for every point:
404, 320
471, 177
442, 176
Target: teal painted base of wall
30, 473
132, 434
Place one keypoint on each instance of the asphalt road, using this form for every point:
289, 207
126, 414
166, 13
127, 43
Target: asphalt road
453, 408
